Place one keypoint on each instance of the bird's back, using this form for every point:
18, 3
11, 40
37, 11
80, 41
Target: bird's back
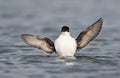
65, 45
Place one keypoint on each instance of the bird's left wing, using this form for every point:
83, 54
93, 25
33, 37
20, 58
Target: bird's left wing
44, 44
89, 34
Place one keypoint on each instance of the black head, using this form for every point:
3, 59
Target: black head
65, 28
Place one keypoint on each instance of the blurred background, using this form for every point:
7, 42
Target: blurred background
45, 18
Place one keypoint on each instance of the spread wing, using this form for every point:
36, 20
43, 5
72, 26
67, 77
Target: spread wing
44, 44
89, 34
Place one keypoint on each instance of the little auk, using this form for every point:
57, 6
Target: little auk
64, 45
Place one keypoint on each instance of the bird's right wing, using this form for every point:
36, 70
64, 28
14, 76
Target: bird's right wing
44, 44
89, 34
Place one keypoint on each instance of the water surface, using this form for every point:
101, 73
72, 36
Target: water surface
100, 59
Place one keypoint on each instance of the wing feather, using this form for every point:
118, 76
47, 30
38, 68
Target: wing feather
89, 34
44, 44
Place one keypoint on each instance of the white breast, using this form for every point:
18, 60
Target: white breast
65, 45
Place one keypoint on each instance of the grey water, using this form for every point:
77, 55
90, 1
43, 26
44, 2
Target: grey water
100, 59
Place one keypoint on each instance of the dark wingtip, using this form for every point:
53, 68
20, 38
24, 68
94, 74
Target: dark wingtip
100, 20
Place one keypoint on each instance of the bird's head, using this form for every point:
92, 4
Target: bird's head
65, 30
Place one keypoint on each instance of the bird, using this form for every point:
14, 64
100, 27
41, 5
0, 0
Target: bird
65, 45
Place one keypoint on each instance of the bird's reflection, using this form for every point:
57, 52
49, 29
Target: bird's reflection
84, 58
75, 58
68, 61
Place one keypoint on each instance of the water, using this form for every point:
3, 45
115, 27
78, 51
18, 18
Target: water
100, 59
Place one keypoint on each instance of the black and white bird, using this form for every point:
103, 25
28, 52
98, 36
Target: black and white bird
64, 45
